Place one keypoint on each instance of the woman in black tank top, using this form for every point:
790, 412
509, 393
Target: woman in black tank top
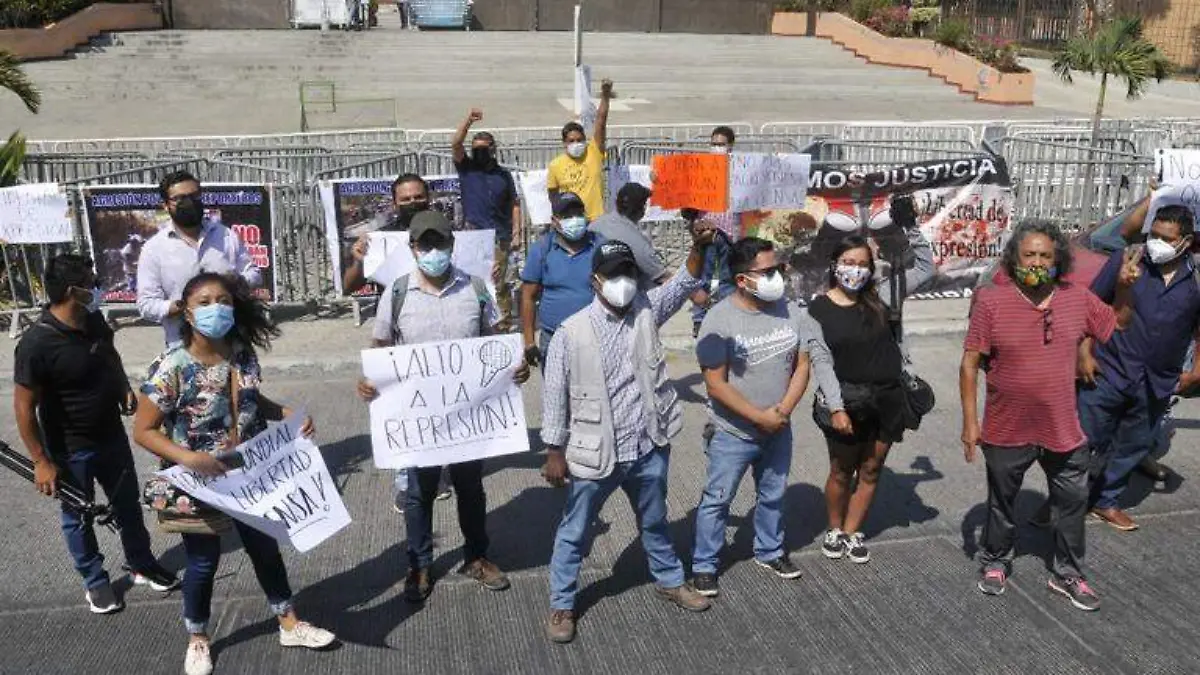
868, 363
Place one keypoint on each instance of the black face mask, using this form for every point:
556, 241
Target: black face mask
482, 156
405, 213
189, 212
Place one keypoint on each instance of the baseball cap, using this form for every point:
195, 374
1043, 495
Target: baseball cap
565, 202
429, 221
633, 193
613, 256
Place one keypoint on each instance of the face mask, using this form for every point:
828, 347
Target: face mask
434, 262
1160, 252
94, 298
619, 291
573, 228
1032, 277
405, 213
576, 150
189, 212
852, 277
719, 149
213, 321
769, 288
481, 156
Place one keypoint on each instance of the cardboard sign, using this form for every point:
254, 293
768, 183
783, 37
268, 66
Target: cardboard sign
698, 181
389, 255
767, 181
35, 214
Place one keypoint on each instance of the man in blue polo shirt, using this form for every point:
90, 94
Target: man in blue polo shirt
489, 201
557, 279
1129, 381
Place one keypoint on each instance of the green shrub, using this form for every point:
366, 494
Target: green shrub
862, 10
924, 14
955, 34
38, 13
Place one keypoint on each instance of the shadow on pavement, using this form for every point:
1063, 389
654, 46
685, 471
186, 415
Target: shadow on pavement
1031, 540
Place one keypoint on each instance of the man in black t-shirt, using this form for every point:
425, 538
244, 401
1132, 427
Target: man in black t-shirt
71, 391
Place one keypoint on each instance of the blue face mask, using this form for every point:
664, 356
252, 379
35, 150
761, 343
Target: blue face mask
573, 228
434, 262
213, 321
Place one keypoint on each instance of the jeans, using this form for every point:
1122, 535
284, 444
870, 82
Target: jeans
644, 481
1067, 475
111, 465
1121, 427
467, 479
204, 554
728, 459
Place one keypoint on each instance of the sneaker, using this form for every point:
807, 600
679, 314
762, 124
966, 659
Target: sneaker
486, 573
102, 600
156, 577
834, 545
398, 503
705, 583
198, 660
781, 566
418, 585
856, 550
1080, 593
684, 597
560, 627
993, 581
306, 635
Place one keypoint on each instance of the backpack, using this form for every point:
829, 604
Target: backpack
400, 291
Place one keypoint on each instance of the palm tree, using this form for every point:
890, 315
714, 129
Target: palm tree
1115, 49
14, 79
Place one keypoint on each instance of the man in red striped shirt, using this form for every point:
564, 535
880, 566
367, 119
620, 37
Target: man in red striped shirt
1028, 333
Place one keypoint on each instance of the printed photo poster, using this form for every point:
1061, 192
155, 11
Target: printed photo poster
963, 206
122, 218
357, 206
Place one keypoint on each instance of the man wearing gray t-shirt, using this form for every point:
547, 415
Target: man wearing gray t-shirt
755, 357
623, 226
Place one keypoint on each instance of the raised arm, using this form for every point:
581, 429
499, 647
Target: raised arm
600, 133
458, 143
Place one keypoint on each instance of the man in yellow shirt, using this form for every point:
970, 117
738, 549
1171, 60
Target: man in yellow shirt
581, 168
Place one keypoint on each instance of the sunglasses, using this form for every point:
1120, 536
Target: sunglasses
768, 271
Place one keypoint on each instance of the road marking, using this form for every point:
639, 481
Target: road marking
619, 105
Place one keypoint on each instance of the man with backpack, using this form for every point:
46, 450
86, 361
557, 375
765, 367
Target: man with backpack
435, 303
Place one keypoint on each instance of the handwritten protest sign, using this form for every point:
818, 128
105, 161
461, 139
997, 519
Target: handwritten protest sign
767, 181
35, 214
389, 256
699, 181
282, 487
446, 402
619, 175
534, 197
1179, 174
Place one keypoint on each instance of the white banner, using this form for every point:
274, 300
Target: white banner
281, 486
621, 174
767, 181
534, 196
585, 108
446, 402
1179, 176
35, 214
389, 256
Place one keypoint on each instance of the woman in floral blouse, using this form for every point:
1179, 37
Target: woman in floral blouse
188, 394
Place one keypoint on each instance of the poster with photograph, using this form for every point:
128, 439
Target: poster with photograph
357, 206
963, 210
122, 218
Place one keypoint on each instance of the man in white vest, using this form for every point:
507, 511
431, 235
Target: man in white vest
609, 412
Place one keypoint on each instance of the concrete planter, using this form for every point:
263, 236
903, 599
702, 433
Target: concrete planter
971, 76
56, 40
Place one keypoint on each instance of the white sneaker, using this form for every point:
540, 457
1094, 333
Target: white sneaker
198, 660
306, 635
102, 600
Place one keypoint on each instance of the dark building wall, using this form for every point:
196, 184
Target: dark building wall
233, 14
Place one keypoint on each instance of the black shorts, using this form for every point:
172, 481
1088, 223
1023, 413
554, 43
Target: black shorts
876, 412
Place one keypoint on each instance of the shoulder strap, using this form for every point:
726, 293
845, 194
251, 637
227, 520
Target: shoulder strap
399, 292
547, 246
235, 388
897, 283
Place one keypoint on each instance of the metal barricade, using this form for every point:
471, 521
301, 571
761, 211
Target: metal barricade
519, 135
876, 156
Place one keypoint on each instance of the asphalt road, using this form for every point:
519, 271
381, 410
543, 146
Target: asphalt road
912, 609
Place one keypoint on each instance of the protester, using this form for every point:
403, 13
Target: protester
623, 226
199, 400
1026, 335
580, 169
556, 281
755, 363
189, 245
439, 302
716, 280
70, 393
721, 140
609, 412
489, 200
410, 196
1129, 381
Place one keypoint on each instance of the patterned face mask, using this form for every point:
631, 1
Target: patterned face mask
1035, 276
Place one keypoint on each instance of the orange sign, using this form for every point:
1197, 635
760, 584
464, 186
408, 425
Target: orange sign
698, 181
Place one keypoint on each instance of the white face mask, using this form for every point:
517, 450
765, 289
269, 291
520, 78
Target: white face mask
576, 150
719, 149
769, 288
1160, 252
619, 291
852, 277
